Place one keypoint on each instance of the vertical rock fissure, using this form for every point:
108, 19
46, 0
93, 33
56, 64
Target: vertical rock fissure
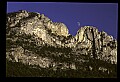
95, 67
93, 46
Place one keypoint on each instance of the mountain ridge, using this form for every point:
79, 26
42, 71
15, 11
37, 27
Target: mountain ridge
33, 39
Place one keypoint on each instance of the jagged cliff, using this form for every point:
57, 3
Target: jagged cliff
33, 39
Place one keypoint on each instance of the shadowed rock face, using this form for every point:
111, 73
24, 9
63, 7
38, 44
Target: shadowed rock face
32, 38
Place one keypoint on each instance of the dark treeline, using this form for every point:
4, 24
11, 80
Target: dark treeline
14, 69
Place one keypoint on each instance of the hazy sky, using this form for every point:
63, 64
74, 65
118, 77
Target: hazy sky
104, 16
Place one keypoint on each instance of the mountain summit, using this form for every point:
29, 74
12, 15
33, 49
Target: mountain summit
34, 40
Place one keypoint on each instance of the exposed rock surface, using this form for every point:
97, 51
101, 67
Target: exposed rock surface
32, 38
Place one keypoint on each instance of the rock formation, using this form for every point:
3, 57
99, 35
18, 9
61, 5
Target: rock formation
33, 39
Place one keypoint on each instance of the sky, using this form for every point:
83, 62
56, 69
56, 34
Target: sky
104, 16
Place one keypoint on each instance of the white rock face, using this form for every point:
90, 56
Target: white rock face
40, 33
58, 28
80, 35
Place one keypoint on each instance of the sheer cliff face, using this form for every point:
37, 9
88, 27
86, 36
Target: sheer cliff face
103, 44
32, 38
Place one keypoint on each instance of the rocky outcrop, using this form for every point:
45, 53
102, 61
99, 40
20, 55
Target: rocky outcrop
58, 28
32, 38
90, 38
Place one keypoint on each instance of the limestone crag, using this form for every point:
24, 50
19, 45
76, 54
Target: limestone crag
39, 25
32, 38
89, 37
